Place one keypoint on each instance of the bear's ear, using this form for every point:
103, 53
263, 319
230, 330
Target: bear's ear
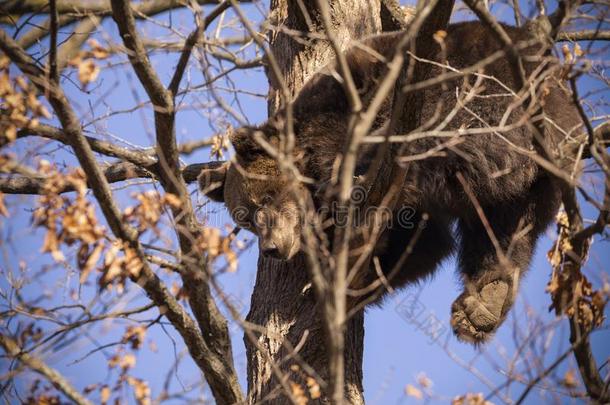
241, 139
212, 180
244, 140
244, 144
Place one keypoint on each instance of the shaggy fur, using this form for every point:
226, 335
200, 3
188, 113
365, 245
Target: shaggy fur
517, 197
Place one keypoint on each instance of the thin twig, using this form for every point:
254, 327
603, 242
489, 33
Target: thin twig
53, 72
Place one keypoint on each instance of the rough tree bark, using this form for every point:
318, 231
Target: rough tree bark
283, 301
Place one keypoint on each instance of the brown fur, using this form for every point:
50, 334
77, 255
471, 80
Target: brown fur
516, 195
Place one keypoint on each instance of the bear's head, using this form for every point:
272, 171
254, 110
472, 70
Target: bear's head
257, 196
252, 187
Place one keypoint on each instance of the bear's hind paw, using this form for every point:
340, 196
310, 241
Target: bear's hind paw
476, 316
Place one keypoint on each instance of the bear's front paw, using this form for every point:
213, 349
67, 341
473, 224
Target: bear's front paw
477, 313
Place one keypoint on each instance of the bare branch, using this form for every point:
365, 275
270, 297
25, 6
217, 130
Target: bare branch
579, 333
37, 365
100, 7
136, 157
124, 17
53, 72
584, 35
113, 174
546, 372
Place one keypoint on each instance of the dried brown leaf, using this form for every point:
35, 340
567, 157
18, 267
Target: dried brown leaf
88, 71
104, 394
3, 210
569, 379
141, 390
414, 392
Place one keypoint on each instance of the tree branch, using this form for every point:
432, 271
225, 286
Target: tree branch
37, 365
573, 262
100, 8
124, 18
113, 174
584, 35
144, 158
73, 133
222, 378
134, 156
53, 72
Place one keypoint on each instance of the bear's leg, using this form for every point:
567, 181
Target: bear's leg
411, 248
493, 258
410, 252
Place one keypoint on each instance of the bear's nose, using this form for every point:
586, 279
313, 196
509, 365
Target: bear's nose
270, 249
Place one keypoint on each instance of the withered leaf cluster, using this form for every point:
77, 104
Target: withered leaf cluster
134, 335
68, 220
471, 399
125, 362
303, 392
220, 144
19, 104
84, 61
119, 267
146, 215
571, 292
216, 245
72, 221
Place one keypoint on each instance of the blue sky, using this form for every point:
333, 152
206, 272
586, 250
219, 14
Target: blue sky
396, 351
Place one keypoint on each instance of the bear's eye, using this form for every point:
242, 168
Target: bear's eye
267, 200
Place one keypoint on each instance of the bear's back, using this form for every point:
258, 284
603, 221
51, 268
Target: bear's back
322, 110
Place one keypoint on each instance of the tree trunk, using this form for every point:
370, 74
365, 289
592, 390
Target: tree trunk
283, 301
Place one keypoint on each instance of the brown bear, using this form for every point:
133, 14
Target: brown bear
491, 216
